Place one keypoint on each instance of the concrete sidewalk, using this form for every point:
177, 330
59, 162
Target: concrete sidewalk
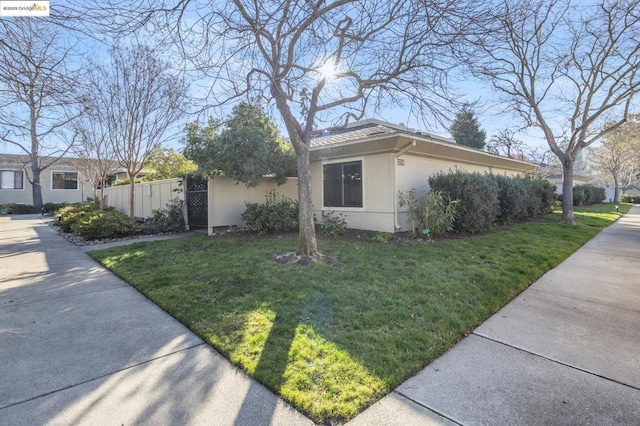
566, 351
80, 346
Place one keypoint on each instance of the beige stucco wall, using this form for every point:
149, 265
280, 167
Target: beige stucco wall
149, 196
377, 213
382, 179
49, 195
227, 198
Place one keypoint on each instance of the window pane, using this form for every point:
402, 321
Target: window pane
6, 179
65, 180
352, 175
333, 185
17, 180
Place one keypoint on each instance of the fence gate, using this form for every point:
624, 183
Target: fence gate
197, 201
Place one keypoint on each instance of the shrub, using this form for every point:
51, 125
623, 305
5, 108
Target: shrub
50, 208
332, 224
104, 224
478, 205
514, 197
279, 213
542, 195
15, 208
169, 219
431, 213
630, 198
67, 216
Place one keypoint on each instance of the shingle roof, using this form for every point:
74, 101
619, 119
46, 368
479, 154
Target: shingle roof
364, 130
337, 136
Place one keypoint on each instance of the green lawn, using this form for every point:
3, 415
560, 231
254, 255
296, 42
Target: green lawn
332, 339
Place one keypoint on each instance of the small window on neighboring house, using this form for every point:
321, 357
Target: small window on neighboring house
343, 184
11, 179
65, 180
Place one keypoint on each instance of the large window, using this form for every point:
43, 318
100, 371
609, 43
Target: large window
11, 179
65, 180
343, 184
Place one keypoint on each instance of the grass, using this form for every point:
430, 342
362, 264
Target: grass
332, 339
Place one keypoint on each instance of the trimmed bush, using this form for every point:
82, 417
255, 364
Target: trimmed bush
104, 224
278, 213
479, 204
514, 199
50, 208
586, 195
542, 194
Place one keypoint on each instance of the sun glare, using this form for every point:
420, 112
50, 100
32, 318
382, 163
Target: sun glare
327, 71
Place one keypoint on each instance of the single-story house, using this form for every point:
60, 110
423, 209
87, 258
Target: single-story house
359, 170
60, 181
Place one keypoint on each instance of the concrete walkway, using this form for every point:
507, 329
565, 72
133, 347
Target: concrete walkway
566, 351
79, 346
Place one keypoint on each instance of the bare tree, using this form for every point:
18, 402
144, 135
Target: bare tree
38, 96
137, 97
316, 60
505, 143
564, 68
96, 158
618, 157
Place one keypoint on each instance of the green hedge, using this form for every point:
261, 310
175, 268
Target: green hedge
485, 199
630, 198
15, 208
586, 195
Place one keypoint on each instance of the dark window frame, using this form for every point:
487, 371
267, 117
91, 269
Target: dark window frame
65, 180
342, 185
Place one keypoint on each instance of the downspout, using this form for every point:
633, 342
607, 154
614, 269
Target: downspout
395, 188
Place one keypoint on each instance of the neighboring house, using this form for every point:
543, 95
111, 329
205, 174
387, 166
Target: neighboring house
60, 182
557, 179
358, 170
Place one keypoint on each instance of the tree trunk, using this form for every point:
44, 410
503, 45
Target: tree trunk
132, 193
307, 245
616, 188
567, 193
36, 186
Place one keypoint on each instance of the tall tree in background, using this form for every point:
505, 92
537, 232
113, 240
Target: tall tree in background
38, 94
138, 97
618, 158
315, 60
565, 68
246, 147
466, 130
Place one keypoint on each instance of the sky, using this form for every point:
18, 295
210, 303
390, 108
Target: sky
487, 110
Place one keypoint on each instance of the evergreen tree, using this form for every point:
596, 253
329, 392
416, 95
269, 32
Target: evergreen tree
466, 130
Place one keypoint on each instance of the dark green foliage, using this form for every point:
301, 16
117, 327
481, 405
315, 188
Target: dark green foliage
477, 194
542, 195
169, 219
630, 198
586, 195
485, 199
245, 147
278, 213
50, 208
333, 224
104, 224
15, 208
466, 130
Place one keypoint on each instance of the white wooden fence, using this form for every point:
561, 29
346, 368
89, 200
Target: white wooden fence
149, 196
